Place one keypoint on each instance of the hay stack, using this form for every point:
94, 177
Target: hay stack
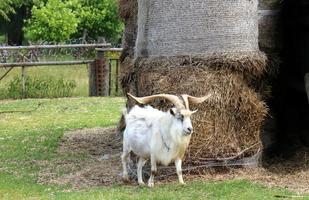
231, 121
197, 47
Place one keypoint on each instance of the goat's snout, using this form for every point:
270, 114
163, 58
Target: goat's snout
189, 131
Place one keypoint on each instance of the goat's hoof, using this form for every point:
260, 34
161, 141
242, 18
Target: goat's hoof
182, 183
141, 183
125, 179
150, 185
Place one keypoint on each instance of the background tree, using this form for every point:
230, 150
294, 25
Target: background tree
60, 20
12, 16
99, 18
6, 8
55, 21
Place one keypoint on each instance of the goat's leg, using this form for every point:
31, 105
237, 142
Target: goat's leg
124, 159
179, 170
153, 171
140, 164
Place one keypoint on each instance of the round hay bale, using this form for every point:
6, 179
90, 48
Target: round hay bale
181, 27
227, 124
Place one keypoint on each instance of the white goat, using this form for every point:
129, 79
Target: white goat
161, 136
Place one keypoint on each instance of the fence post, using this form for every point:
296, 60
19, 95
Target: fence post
101, 74
23, 81
110, 76
92, 79
117, 77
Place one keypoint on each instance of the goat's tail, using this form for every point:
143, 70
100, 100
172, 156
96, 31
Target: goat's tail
124, 112
122, 122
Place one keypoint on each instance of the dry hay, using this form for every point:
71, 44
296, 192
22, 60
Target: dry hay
225, 125
292, 174
252, 65
231, 120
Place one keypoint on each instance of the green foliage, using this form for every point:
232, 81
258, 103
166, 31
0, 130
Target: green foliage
112, 54
6, 8
99, 18
58, 21
50, 87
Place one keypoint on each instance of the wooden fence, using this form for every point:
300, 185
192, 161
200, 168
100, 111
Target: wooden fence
100, 73
101, 78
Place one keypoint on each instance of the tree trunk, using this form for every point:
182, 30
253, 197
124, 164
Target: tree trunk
128, 12
15, 26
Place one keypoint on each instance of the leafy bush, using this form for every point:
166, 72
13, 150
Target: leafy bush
58, 21
99, 18
48, 87
3, 93
6, 8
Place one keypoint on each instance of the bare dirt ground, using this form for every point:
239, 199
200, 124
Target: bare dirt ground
95, 161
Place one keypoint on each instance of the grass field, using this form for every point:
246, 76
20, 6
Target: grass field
77, 73
31, 135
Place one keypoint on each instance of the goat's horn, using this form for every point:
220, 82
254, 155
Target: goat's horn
194, 100
171, 98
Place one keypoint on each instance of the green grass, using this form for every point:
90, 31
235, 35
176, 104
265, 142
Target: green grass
238, 190
29, 137
193, 190
78, 73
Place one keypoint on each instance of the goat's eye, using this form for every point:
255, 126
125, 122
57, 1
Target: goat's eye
181, 117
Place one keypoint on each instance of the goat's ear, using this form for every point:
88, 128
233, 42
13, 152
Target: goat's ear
173, 111
194, 111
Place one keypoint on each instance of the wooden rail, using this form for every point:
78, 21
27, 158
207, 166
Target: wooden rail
109, 49
46, 63
106, 45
